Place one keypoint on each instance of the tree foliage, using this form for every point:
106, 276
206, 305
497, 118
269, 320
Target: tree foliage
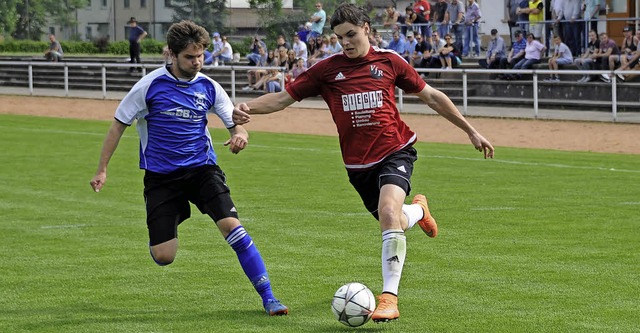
31, 16
211, 14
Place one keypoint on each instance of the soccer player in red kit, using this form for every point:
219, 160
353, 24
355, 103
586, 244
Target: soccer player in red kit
377, 146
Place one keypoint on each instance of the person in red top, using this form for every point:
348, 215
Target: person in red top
423, 7
377, 146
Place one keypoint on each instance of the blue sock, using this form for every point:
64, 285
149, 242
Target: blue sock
251, 262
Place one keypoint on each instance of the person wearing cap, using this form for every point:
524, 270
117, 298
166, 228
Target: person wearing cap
136, 35
409, 46
628, 50
495, 51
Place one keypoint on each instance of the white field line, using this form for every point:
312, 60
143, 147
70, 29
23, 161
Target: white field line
549, 165
64, 226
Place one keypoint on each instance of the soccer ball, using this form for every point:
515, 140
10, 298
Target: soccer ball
353, 304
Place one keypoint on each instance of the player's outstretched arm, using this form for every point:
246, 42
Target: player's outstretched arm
440, 103
267, 103
108, 147
239, 139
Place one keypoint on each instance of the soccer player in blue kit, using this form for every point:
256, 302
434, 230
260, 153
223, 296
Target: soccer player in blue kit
171, 105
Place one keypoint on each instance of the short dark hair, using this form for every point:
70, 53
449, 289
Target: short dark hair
348, 12
183, 33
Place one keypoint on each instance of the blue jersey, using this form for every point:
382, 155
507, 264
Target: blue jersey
172, 119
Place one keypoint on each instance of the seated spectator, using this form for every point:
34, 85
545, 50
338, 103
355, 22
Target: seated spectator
270, 82
322, 50
379, 41
54, 52
585, 62
516, 54
633, 64
304, 31
422, 46
217, 46
281, 41
607, 48
299, 48
409, 46
396, 43
334, 45
254, 56
225, 54
281, 60
254, 75
629, 47
561, 56
291, 59
426, 59
297, 69
495, 51
392, 16
447, 53
632, 52
533, 53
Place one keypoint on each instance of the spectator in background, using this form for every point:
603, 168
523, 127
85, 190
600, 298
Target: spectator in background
397, 44
415, 22
515, 54
585, 62
282, 42
455, 17
421, 47
409, 46
608, 48
472, 19
447, 53
321, 51
304, 31
334, 45
535, 10
425, 49
392, 16
629, 47
281, 57
300, 48
254, 75
561, 56
591, 10
496, 51
379, 41
318, 19
254, 55
54, 52
422, 7
291, 59
533, 53
136, 35
512, 6
297, 69
225, 54
439, 16
571, 26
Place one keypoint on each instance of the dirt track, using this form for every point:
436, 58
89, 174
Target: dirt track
562, 135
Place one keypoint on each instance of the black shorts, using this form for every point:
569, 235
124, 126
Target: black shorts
396, 169
167, 198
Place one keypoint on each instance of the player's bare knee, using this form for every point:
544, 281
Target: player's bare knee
164, 254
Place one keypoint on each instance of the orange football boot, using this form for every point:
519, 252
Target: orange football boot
387, 309
428, 223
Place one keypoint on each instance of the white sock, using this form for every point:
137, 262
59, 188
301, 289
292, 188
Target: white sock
414, 213
394, 251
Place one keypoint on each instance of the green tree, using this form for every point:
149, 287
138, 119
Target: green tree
211, 14
9, 17
33, 16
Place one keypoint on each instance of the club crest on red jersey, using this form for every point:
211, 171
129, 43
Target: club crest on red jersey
376, 72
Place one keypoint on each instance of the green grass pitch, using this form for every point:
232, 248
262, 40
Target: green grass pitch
533, 241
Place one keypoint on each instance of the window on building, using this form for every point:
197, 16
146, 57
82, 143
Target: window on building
103, 3
52, 30
143, 3
126, 4
88, 33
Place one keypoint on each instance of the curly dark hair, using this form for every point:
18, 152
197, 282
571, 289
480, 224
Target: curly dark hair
348, 12
183, 33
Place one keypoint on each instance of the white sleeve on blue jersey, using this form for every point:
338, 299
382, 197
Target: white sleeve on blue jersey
134, 104
222, 106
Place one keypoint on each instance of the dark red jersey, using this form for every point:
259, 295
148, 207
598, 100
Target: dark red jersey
361, 96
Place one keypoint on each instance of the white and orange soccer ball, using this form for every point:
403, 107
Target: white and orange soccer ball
353, 304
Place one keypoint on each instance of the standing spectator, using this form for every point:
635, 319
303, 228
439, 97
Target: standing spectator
472, 18
533, 53
416, 22
515, 54
585, 62
422, 7
170, 107
136, 35
54, 52
561, 56
571, 25
608, 48
535, 10
495, 51
512, 7
591, 10
304, 31
318, 19
439, 15
254, 55
299, 48
455, 17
